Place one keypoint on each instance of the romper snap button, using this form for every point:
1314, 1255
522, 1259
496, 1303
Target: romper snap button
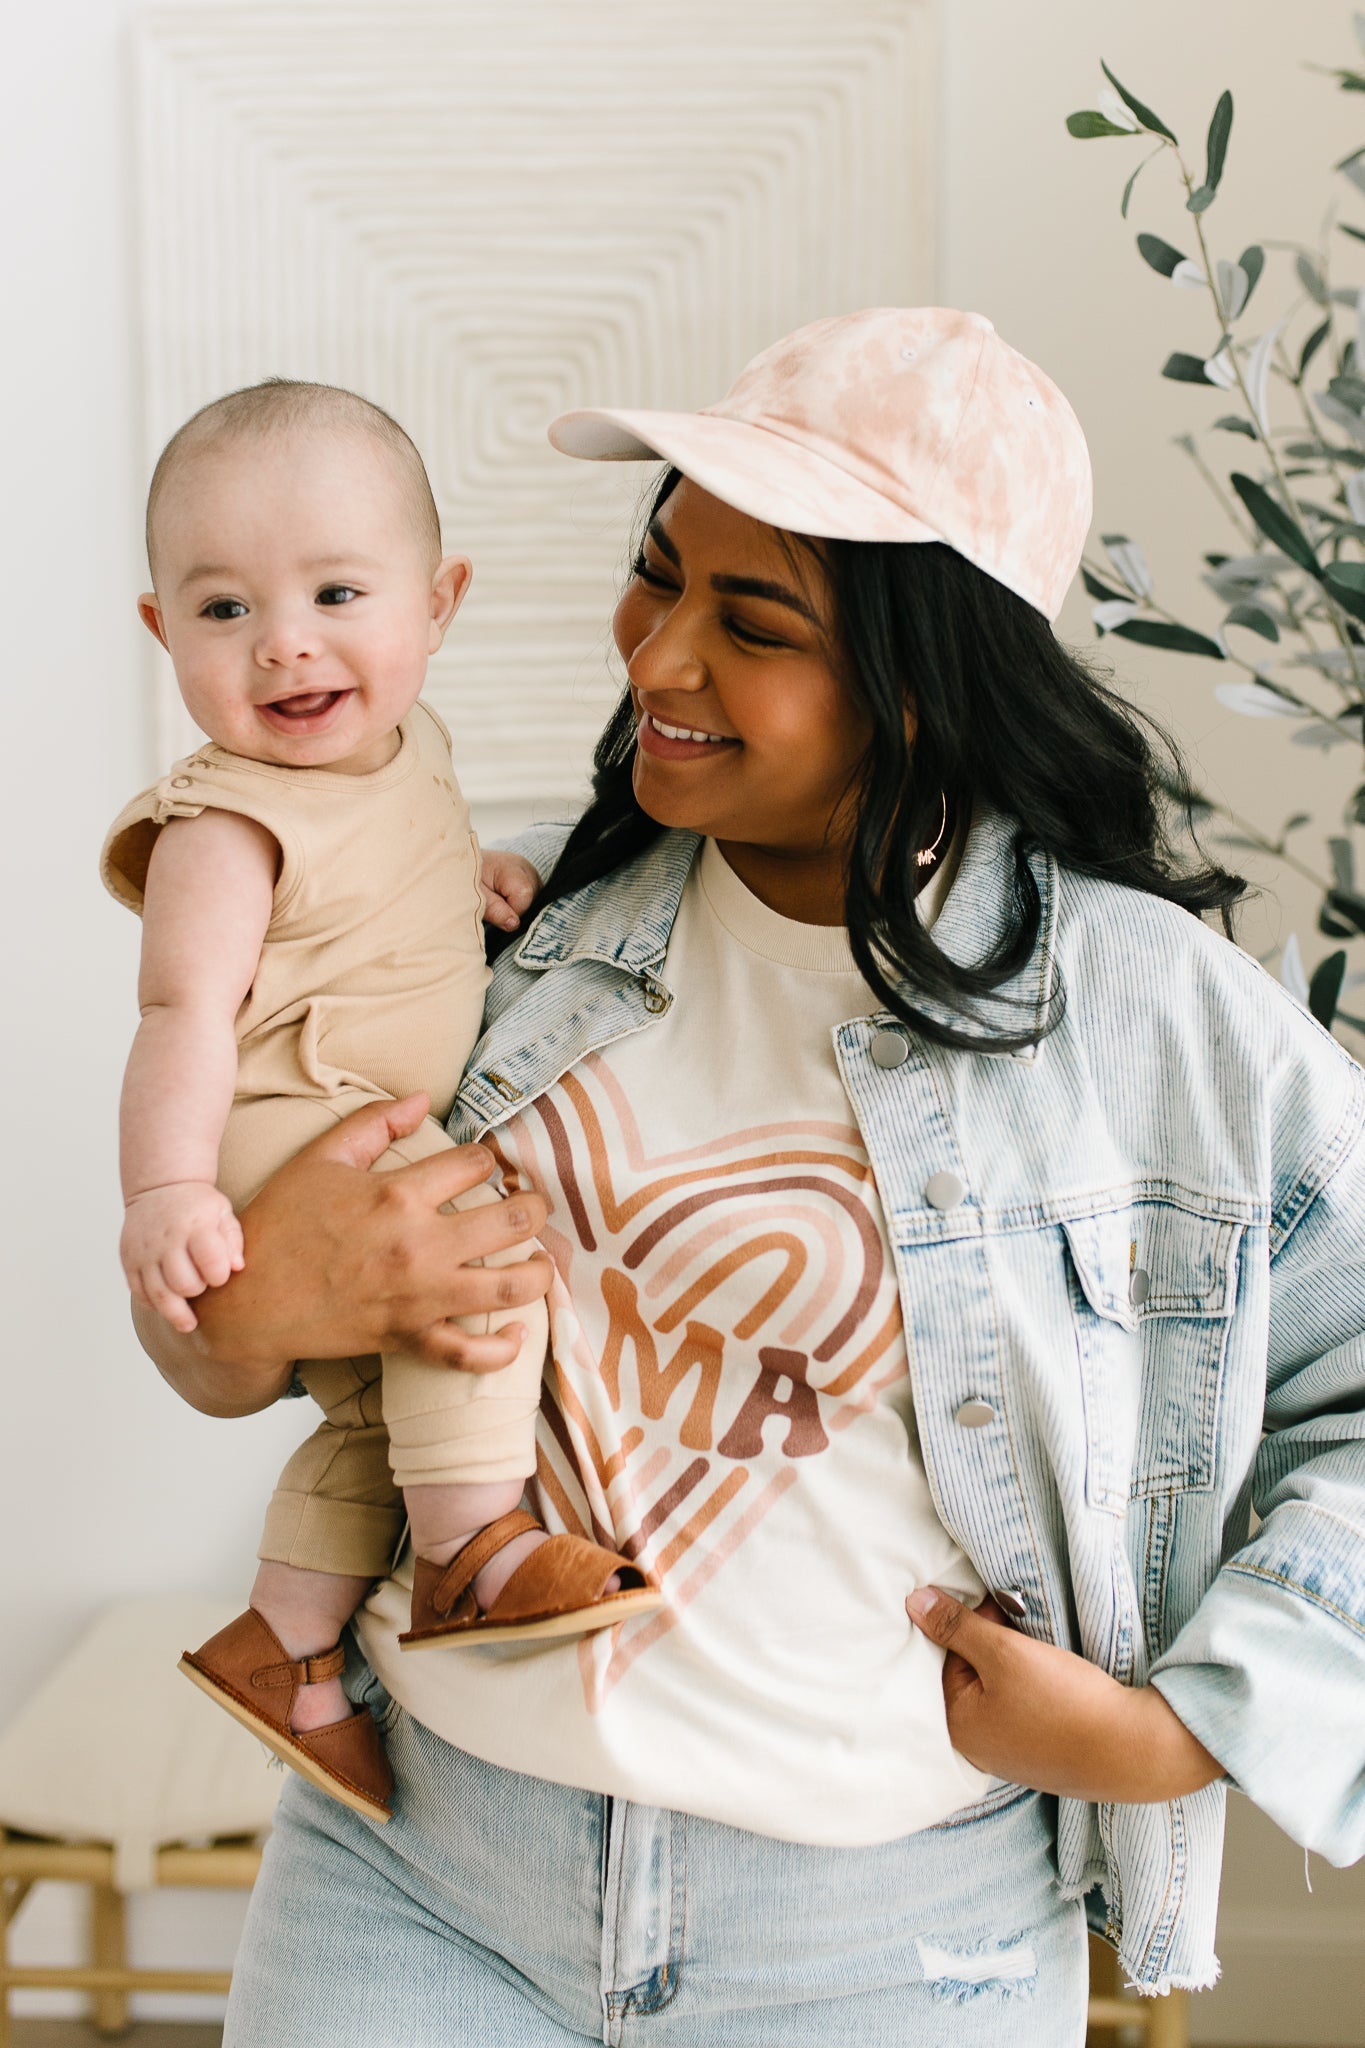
180, 782
889, 1048
944, 1191
975, 1414
1010, 1602
1139, 1287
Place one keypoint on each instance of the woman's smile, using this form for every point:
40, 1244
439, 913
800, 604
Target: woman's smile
679, 742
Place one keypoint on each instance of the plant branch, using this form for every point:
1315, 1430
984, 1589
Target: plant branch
1147, 604
1271, 846
1262, 433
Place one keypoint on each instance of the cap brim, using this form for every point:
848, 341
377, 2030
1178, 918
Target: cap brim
759, 472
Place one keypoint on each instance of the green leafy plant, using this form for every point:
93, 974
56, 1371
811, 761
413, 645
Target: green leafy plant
1290, 589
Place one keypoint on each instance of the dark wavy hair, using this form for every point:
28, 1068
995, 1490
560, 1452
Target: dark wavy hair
1003, 711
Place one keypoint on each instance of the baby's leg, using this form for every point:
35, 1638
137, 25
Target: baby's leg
462, 1444
336, 1515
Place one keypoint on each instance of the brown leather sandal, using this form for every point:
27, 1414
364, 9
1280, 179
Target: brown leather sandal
556, 1591
247, 1669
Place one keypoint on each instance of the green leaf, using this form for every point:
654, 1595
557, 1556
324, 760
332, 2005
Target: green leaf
1324, 990
1356, 234
1183, 369
1100, 590
1314, 343
1159, 254
1200, 200
1162, 633
1220, 127
1255, 618
1356, 809
1293, 824
1349, 81
1275, 523
1087, 126
1342, 915
1232, 424
1148, 119
1252, 260
1310, 277
1128, 188
1349, 390
1346, 581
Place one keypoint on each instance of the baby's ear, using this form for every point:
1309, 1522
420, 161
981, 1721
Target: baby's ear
149, 611
448, 587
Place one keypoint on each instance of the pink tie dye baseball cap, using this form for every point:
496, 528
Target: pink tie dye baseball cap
897, 423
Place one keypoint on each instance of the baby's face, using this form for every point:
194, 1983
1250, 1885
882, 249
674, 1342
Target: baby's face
296, 599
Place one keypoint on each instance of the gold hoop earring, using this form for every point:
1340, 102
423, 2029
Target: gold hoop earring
925, 857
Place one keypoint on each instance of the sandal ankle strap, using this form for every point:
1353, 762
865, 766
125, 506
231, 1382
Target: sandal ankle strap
466, 1564
302, 1670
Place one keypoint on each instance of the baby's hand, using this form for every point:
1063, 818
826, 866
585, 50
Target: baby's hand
507, 884
177, 1240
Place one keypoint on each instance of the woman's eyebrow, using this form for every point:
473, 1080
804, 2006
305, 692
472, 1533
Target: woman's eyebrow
663, 543
738, 586
776, 593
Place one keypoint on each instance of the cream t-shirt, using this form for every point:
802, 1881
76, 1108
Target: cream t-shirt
729, 1402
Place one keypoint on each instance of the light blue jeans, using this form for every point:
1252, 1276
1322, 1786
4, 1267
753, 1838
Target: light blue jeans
497, 1910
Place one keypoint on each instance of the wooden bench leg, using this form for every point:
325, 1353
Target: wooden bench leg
1168, 2021
108, 1951
13, 1892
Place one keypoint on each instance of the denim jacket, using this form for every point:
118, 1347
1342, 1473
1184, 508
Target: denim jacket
1152, 1288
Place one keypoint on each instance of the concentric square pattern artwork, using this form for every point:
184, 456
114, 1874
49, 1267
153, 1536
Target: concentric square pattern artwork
484, 212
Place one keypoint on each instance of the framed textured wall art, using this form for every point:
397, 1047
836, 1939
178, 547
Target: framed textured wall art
482, 212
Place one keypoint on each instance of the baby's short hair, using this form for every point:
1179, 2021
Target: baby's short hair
276, 406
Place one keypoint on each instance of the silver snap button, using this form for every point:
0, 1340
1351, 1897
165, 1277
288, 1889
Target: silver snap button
1010, 1602
889, 1048
1139, 1287
975, 1414
944, 1191
180, 782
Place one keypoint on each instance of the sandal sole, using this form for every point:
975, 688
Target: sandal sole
289, 1752
617, 1607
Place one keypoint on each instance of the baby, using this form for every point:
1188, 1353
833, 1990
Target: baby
312, 942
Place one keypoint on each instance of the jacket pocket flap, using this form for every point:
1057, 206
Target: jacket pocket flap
1187, 1263
1100, 1253
1190, 1261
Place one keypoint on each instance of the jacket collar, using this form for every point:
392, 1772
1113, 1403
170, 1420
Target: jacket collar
625, 920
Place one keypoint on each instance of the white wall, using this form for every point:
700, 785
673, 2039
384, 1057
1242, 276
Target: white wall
109, 1484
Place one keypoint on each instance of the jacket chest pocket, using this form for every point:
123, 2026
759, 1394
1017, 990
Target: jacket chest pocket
1153, 1288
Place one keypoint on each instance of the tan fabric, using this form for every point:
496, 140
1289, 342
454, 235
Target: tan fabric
372, 973
370, 986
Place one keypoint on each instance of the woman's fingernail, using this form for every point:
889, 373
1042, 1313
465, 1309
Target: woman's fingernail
921, 1601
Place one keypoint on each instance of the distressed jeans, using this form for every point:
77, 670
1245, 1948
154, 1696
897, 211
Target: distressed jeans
497, 1910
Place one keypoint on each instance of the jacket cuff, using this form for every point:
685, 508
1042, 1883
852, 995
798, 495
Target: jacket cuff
1269, 1673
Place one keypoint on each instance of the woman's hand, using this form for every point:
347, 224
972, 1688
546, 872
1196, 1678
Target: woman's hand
507, 884
1040, 1716
340, 1260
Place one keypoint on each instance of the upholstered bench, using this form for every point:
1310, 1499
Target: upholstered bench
120, 1776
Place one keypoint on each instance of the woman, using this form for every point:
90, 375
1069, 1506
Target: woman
933, 1201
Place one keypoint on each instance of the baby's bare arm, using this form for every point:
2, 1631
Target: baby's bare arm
208, 897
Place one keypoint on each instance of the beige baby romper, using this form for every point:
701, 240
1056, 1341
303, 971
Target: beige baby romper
370, 987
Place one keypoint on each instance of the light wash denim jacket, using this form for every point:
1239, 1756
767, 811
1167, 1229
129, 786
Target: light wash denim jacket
1186, 1122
